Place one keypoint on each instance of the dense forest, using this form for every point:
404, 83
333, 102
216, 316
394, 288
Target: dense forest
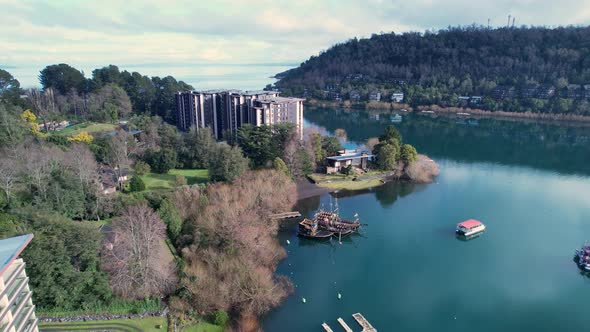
532, 69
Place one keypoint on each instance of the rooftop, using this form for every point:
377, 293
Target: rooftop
349, 156
469, 223
10, 249
281, 100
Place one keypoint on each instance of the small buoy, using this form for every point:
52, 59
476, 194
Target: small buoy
303, 300
339, 296
288, 242
455, 317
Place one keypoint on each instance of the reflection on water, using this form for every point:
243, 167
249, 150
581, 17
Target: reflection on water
561, 148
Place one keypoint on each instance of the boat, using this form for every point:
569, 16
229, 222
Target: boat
310, 229
583, 258
332, 222
463, 114
396, 118
470, 227
427, 112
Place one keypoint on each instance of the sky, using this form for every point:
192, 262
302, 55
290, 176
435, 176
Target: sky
157, 33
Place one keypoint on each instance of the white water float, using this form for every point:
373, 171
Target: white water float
303, 300
339, 296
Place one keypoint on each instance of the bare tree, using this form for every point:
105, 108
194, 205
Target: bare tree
9, 175
118, 156
44, 104
136, 256
38, 163
82, 163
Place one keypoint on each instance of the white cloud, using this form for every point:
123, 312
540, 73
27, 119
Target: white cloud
37, 33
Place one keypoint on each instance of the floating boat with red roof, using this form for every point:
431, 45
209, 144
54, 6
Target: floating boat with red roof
470, 227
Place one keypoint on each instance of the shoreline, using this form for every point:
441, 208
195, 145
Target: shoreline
424, 170
387, 106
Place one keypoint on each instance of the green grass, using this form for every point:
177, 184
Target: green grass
351, 185
147, 324
203, 327
154, 181
90, 127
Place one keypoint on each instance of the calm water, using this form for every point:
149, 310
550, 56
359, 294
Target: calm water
529, 183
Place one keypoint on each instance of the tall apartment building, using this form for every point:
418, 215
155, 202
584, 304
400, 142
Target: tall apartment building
17, 312
224, 111
279, 110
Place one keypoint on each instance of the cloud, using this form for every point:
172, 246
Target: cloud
37, 33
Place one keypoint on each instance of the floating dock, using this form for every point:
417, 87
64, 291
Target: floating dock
344, 325
364, 323
286, 215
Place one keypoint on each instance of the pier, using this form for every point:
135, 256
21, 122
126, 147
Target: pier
364, 323
344, 325
286, 215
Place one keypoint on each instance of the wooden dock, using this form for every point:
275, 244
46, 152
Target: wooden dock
364, 323
286, 215
326, 327
344, 325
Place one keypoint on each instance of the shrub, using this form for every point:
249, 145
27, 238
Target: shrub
221, 318
136, 184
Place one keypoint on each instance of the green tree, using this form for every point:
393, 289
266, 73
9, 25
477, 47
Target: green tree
197, 149
331, 145
171, 218
62, 78
180, 180
408, 154
162, 161
136, 184
9, 88
227, 163
221, 318
387, 156
391, 133
141, 168
62, 254
280, 166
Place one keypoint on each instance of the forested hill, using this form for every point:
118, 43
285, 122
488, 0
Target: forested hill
456, 61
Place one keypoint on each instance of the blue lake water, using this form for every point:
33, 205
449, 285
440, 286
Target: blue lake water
528, 182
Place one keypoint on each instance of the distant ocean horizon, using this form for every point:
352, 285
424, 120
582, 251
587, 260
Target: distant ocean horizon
200, 76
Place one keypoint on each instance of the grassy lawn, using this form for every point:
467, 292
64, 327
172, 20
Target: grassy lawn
319, 177
128, 325
351, 185
90, 127
154, 181
203, 327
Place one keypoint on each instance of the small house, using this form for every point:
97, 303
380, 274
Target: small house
504, 92
575, 91
475, 100
397, 97
545, 91
355, 158
374, 96
354, 95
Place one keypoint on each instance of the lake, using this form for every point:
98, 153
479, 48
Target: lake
406, 271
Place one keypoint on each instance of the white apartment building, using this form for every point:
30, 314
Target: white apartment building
17, 312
